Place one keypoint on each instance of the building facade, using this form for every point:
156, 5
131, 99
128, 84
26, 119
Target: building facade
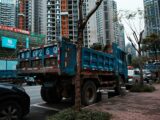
90, 32
62, 19
32, 16
130, 50
59, 18
25, 12
8, 13
152, 23
107, 27
152, 16
121, 37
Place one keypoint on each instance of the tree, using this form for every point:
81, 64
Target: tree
136, 38
81, 26
151, 43
135, 59
97, 46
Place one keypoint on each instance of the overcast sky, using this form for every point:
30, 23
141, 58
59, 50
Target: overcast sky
129, 4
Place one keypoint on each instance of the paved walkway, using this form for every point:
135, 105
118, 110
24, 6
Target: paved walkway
133, 106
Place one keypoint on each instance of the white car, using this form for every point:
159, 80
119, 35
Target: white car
133, 76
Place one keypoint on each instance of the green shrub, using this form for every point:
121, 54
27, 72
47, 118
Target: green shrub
158, 81
142, 88
70, 114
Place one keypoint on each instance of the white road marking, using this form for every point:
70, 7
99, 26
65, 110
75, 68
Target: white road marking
35, 97
37, 103
44, 107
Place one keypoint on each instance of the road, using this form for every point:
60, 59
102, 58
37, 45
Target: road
34, 93
39, 109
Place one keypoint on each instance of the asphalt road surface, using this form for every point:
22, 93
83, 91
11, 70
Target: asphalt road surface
34, 93
39, 110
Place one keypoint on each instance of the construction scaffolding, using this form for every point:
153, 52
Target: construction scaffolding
21, 15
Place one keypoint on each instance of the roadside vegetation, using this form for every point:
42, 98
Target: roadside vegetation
142, 88
158, 81
71, 114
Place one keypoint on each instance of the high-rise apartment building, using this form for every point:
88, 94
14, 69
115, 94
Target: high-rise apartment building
90, 32
113, 20
25, 14
62, 17
59, 18
107, 27
130, 49
121, 37
28, 14
21, 14
152, 16
152, 23
8, 13
41, 18
32, 15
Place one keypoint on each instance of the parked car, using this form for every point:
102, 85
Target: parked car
134, 75
14, 102
147, 75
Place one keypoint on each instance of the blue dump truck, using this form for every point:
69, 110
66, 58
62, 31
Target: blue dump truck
55, 66
8, 70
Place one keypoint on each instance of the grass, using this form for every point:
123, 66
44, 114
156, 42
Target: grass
142, 88
70, 114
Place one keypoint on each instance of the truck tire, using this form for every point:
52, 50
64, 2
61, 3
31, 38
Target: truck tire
43, 93
118, 88
89, 93
50, 95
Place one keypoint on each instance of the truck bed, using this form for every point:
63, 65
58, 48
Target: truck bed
60, 59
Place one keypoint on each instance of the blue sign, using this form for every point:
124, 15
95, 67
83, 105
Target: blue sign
27, 42
2, 64
9, 42
11, 65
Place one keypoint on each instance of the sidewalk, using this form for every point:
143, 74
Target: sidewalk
133, 106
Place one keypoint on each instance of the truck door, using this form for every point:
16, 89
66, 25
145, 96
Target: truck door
68, 58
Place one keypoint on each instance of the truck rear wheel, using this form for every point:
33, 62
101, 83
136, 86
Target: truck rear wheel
50, 95
43, 93
89, 93
118, 88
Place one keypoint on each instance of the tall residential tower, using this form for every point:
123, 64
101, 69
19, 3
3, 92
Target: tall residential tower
8, 13
62, 18
107, 28
152, 16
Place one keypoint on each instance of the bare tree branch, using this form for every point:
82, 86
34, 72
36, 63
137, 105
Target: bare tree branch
98, 3
141, 36
134, 45
135, 37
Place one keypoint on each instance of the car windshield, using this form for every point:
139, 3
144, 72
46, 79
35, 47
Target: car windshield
136, 72
130, 72
146, 71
